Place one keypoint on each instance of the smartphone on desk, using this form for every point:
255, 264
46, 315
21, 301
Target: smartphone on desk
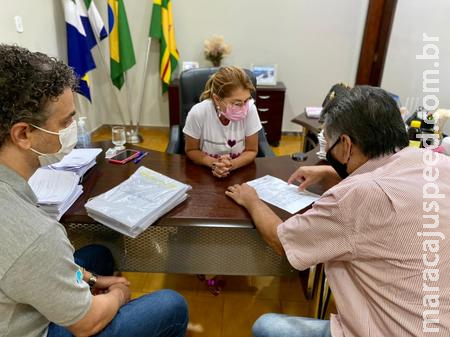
124, 156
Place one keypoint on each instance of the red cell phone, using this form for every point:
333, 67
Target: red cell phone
124, 156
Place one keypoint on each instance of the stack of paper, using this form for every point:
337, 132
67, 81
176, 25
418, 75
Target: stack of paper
78, 161
138, 202
55, 190
279, 193
313, 112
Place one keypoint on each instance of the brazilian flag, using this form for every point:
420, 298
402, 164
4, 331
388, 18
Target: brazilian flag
161, 28
120, 44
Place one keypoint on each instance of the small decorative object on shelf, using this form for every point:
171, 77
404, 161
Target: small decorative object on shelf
190, 65
428, 119
265, 74
216, 49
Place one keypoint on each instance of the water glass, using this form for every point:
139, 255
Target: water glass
118, 137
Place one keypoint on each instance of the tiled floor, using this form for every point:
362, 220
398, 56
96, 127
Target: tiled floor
244, 298
233, 312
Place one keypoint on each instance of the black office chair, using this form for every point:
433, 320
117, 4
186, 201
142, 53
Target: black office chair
192, 84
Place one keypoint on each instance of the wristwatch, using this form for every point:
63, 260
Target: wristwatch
92, 280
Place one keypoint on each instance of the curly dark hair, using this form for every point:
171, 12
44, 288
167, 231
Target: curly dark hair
28, 82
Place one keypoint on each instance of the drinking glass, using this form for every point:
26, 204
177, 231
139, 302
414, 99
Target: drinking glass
118, 137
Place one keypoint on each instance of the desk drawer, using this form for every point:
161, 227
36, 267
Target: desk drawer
263, 97
268, 113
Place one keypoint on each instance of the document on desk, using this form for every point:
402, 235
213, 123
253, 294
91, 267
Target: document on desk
138, 202
78, 161
55, 190
53, 187
279, 193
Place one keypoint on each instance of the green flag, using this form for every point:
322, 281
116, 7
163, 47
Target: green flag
120, 44
161, 28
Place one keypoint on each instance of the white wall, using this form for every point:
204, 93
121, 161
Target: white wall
43, 29
314, 43
403, 73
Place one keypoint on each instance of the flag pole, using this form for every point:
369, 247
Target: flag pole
144, 87
132, 136
104, 64
113, 89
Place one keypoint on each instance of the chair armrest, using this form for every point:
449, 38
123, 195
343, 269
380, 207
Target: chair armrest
311, 141
264, 149
174, 140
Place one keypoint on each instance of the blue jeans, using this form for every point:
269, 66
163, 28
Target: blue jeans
161, 314
277, 325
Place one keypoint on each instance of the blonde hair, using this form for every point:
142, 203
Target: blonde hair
226, 80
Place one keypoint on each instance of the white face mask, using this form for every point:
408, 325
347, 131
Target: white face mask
67, 139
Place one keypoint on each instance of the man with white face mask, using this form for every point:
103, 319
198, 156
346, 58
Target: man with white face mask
67, 139
44, 291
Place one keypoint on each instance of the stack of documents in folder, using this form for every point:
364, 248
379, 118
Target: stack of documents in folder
138, 202
55, 190
78, 161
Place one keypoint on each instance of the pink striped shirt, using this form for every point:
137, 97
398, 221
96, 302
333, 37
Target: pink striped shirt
379, 232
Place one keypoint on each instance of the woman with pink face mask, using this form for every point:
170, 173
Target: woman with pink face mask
221, 131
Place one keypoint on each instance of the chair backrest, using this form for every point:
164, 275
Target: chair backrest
192, 85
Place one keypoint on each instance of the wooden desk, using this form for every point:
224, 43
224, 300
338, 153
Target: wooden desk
312, 124
207, 234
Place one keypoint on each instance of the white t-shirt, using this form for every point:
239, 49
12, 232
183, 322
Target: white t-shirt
217, 139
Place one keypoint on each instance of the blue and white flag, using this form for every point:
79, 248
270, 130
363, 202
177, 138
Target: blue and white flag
79, 43
92, 22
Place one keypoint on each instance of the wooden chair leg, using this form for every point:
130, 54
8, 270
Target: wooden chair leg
311, 282
325, 298
319, 293
308, 279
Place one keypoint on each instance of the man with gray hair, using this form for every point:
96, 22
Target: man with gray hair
380, 227
43, 291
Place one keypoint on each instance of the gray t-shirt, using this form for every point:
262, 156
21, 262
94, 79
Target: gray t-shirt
39, 280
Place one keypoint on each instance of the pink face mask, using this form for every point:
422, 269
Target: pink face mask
237, 113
